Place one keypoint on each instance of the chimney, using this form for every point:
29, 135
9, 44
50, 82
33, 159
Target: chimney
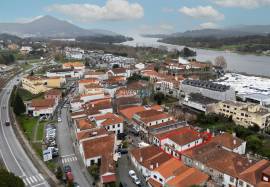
157, 165
151, 166
234, 134
141, 159
234, 142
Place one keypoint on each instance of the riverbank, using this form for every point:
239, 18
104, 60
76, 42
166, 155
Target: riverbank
258, 65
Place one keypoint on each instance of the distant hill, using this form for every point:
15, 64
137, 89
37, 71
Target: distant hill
10, 37
236, 31
51, 27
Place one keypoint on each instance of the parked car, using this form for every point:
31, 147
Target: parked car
59, 120
67, 168
122, 151
137, 181
70, 177
132, 174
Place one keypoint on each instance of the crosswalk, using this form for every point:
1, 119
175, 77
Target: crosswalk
32, 180
69, 159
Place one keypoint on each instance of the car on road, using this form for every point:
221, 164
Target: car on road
59, 120
67, 168
7, 123
75, 184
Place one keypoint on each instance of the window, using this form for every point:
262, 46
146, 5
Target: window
240, 183
161, 180
118, 125
155, 176
113, 126
231, 179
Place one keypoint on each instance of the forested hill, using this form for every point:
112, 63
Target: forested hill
247, 44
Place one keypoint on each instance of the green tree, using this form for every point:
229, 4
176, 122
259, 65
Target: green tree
94, 171
18, 105
254, 143
8, 179
59, 173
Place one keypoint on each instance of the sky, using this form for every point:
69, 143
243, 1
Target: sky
131, 17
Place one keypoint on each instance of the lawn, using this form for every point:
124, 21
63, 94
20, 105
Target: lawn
38, 148
27, 124
40, 130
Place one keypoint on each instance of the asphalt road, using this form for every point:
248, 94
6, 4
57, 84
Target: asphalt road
11, 152
67, 152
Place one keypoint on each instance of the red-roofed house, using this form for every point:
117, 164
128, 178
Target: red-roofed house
148, 118
178, 140
100, 151
148, 158
111, 122
84, 82
174, 173
41, 107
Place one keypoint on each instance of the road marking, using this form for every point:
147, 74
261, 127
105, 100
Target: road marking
8, 143
4, 160
38, 184
28, 180
69, 159
42, 178
68, 155
32, 181
25, 182
34, 178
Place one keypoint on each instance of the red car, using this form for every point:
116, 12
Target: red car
70, 177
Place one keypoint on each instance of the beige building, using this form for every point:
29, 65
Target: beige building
34, 84
245, 114
55, 82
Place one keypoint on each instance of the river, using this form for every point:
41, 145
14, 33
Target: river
251, 64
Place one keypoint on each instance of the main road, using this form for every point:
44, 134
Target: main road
11, 152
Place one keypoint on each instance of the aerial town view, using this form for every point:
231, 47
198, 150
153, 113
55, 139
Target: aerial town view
135, 93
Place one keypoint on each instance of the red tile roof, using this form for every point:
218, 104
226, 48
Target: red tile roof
109, 119
130, 111
150, 156
228, 140
42, 103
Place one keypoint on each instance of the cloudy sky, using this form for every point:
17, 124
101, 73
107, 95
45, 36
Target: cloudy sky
141, 16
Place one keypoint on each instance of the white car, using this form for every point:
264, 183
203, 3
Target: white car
59, 120
137, 181
132, 174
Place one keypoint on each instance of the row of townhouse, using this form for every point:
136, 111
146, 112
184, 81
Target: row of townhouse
221, 157
161, 169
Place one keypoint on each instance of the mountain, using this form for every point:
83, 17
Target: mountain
50, 27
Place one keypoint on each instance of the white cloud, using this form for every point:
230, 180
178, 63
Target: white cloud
208, 25
204, 12
242, 3
163, 28
113, 10
28, 20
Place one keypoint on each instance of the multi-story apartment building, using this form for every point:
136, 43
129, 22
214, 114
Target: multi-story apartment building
208, 89
245, 114
34, 84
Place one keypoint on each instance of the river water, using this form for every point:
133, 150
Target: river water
251, 64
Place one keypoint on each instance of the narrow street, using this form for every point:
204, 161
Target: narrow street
67, 151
